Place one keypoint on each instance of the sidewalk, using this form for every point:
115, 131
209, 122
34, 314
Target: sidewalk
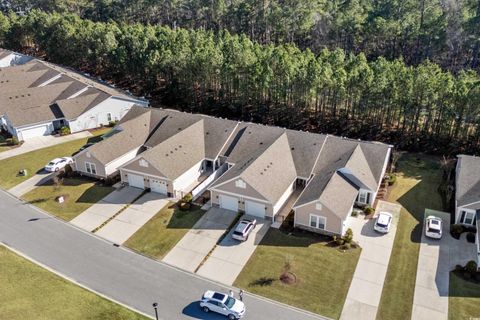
365, 291
42, 142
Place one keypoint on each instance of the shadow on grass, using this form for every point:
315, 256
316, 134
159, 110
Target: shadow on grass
262, 282
295, 238
465, 288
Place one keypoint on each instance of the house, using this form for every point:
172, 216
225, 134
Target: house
467, 190
264, 171
467, 193
39, 98
9, 58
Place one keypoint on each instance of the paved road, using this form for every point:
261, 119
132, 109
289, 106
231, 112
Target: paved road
116, 272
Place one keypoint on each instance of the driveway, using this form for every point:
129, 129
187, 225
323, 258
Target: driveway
230, 256
117, 273
435, 261
30, 184
42, 142
365, 291
192, 249
129, 221
106, 208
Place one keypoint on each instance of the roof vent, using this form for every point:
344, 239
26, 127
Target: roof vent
293, 148
166, 154
261, 143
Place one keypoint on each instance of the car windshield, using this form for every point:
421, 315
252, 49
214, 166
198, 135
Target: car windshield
238, 233
381, 225
230, 302
51, 163
433, 230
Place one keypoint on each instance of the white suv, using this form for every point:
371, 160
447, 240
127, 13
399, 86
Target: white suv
433, 227
384, 222
223, 304
243, 229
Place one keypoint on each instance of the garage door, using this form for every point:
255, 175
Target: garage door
255, 209
136, 181
158, 186
229, 203
35, 132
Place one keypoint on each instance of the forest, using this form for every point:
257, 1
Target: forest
416, 107
446, 32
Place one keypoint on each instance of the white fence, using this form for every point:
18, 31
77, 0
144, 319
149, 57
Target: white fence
202, 186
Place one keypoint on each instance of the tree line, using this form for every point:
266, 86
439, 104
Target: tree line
446, 32
416, 107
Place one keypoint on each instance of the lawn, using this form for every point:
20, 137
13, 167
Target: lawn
416, 189
463, 298
35, 160
159, 235
323, 273
31, 292
79, 195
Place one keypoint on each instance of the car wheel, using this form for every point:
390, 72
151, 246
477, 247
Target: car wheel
232, 317
205, 309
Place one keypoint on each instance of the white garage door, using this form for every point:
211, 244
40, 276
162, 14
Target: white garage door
229, 203
158, 186
35, 132
136, 181
255, 209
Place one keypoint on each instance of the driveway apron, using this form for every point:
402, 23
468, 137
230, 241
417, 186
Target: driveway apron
30, 184
106, 208
365, 291
230, 256
192, 249
123, 226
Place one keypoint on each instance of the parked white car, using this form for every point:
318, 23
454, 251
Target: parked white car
243, 229
383, 222
58, 163
433, 227
223, 304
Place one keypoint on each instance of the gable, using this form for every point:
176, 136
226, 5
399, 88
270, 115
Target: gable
233, 186
139, 164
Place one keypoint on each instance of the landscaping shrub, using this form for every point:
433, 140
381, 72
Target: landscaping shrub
348, 237
185, 206
392, 178
456, 230
459, 268
64, 131
368, 210
471, 267
187, 198
112, 123
354, 213
2, 139
12, 141
471, 237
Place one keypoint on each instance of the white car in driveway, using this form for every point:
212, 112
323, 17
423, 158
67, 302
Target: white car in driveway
58, 164
433, 227
383, 222
222, 303
243, 229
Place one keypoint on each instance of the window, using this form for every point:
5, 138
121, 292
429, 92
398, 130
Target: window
318, 222
318, 206
240, 184
109, 117
467, 217
143, 163
91, 168
363, 196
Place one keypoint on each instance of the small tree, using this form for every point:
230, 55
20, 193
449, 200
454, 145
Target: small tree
348, 237
471, 267
64, 131
187, 198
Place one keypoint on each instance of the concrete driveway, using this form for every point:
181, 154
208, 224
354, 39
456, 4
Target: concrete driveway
129, 221
42, 142
365, 290
192, 249
230, 256
435, 261
106, 208
30, 184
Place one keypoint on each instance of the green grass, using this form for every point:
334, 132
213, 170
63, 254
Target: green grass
416, 189
463, 298
35, 160
324, 273
80, 194
158, 236
28, 291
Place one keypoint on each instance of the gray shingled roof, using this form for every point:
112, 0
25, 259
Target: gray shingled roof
178, 153
468, 181
74, 107
330, 197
